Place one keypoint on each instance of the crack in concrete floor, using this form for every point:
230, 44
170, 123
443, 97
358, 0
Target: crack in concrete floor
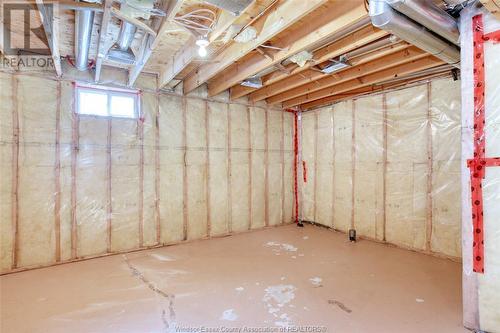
169, 325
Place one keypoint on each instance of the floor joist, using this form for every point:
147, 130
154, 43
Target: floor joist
272, 23
321, 25
313, 76
380, 64
407, 68
345, 44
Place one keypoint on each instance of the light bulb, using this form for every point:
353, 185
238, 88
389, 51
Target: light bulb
202, 51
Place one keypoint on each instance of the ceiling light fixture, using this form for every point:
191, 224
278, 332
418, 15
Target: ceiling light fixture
202, 43
336, 65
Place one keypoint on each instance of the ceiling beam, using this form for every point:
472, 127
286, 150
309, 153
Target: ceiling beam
71, 5
302, 75
343, 45
150, 42
391, 60
180, 60
387, 74
272, 22
368, 90
50, 23
493, 6
184, 56
319, 26
171, 8
101, 43
138, 23
314, 75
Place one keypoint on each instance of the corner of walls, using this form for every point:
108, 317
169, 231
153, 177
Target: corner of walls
191, 167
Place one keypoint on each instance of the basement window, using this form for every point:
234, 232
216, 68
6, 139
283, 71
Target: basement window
107, 102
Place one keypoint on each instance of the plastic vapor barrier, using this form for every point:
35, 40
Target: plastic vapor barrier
75, 187
388, 166
481, 230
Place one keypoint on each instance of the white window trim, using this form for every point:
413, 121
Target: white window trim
109, 92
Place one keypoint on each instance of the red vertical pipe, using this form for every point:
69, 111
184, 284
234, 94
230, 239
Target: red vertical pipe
295, 162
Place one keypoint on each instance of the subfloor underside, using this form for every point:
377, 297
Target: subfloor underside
284, 276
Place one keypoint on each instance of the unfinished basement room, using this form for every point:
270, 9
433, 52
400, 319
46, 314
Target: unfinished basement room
250, 166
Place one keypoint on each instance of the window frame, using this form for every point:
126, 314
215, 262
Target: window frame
109, 92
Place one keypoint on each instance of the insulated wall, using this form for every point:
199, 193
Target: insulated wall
388, 165
480, 59
74, 187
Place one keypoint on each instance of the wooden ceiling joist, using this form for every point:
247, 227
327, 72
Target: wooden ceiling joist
273, 22
346, 44
375, 88
103, 35
321, 25
184, 56
70, 5
315, 75
393, 72
51, 27
151, 41
493, 7
391, 60
178, 62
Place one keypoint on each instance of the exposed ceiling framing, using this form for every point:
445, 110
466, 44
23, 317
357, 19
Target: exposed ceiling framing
51, 27
493, 6
328, 30
269, 25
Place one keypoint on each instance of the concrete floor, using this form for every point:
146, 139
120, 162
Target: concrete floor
275, 277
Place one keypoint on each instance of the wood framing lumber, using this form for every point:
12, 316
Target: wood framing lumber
50, 23
151, 42
272, 23
389, 73
493, 6
326, 81
139, 24
73, 5
70, 5
171, 8
101, 44
189, 51
310, 75
343, 45
178, 62
320, 25
375, 88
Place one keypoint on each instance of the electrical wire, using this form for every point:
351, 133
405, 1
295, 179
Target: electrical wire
146, 10
199, 21
271, 47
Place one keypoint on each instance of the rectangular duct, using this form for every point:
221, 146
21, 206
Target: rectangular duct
234, 6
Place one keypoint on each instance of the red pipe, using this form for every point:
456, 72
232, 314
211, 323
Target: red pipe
296, 161
304, 168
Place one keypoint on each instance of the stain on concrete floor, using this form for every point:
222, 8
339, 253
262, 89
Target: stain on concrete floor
238, 281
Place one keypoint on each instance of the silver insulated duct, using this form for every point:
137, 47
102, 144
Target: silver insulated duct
83, 33
121, 52
383, 16
428, 14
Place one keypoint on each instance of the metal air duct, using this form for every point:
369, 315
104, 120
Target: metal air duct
428, 14
383, 16
121, 52
83, 33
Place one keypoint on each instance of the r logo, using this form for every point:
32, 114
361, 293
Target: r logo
23, 33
